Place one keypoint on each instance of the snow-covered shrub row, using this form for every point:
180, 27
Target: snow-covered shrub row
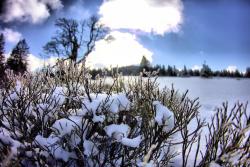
65, 118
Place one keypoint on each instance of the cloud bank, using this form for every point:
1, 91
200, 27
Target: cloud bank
11, 35
197, 67
33, 11
122, 51
35, 62
156, 16
146, 16
231, 68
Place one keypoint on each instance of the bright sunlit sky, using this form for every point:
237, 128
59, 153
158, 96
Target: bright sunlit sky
169, 32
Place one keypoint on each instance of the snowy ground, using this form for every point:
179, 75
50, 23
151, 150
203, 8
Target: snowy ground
211, 93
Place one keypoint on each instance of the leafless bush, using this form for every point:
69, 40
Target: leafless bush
228, 141
63, 120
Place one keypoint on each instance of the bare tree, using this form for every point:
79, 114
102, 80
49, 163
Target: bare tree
73, 36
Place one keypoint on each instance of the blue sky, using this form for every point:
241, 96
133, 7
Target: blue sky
215, 31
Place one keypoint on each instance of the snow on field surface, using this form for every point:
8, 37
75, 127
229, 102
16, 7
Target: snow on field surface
212, 92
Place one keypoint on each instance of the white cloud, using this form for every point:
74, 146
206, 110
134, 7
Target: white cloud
35, 62
33, 11
122, 51
157, 16
231, 68
54, 4
11, 35
196, 67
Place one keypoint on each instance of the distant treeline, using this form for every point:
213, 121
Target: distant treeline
172, 71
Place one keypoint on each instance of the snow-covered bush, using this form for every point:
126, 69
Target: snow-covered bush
70, 119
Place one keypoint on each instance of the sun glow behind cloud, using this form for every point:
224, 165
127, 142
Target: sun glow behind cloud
35, 62
157, 16
122, 51
147, 16
231, 68
197, 67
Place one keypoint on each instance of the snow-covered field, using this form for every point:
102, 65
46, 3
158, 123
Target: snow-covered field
114, 120
211, 92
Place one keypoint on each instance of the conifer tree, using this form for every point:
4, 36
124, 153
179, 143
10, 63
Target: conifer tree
206, 71
18, 58
175, 71
170, 71
145, 64
184, 71
247, 74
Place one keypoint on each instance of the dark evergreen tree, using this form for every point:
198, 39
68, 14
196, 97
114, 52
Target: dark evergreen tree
18, 58
162, 71
184, 72
196, 73
216, 73
170, 71
145, 64
247, 74
190, 72
206, 71
237, 74
175, 71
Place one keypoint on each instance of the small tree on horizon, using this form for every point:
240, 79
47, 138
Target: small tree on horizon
170, 71
145, 64
237, 74
184, 72
18, 57
206, 71
175, 71
247, 74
